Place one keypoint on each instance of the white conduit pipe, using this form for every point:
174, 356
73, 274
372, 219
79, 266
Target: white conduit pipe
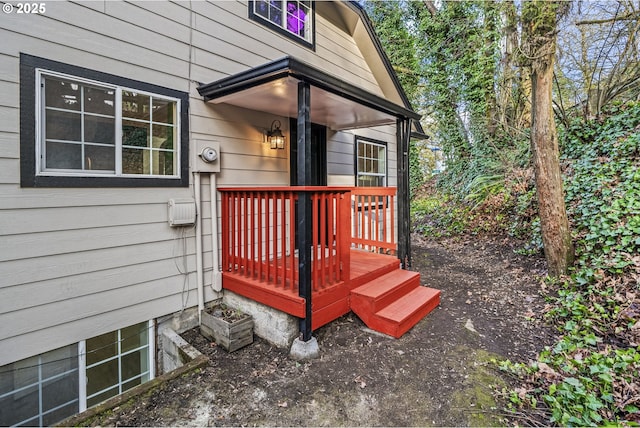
216, 275
199, 275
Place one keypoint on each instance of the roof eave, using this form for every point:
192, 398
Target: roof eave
364, 17
289, 66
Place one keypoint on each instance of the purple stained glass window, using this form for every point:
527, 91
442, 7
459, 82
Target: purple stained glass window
295, 18
270, 9
290, 15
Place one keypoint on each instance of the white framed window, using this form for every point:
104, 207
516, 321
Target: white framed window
371, 163
41, 390
47, 388
293, 18
90, 128
86, 128
117, 361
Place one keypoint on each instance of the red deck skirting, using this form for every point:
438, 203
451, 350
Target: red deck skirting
329, 303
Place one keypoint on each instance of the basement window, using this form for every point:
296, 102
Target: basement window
116, 362
47, 388
41, 390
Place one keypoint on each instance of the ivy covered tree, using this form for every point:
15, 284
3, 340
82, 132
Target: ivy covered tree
476, 89
471, 88
540, 23
390, 18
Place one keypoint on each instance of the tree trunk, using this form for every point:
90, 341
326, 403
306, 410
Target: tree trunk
540, 23
556, 236
523, 117
507, 110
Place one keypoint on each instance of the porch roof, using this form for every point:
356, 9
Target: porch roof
273, 88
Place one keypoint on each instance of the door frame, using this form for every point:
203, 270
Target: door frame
318, 154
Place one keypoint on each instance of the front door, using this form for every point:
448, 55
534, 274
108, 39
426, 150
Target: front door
318, 154
318, 159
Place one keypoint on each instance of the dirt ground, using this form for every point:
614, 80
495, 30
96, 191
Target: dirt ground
438, 374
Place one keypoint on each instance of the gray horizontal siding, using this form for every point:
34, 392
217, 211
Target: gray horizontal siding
45, 294
9, 147
9, 119
55, 243
14, 198
13, 222
75, 263
9, 170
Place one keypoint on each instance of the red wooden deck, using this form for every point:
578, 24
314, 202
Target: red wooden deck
329, 303
352, 231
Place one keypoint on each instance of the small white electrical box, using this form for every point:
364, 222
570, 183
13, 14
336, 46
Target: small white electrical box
182, 212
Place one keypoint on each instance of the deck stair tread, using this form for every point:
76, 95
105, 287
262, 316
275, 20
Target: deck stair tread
387, 288
394, 302
408, 304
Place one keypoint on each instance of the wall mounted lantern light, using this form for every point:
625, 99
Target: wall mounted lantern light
275, 138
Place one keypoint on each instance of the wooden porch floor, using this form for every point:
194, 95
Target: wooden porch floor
327, 304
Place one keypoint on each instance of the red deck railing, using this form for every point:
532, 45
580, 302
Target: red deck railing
258, 234
373, 219
260, 241
330, 242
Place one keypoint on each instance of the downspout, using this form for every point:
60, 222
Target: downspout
199, 255
216, 275
197, 189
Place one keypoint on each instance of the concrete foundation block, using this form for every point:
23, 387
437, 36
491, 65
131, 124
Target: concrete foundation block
272, 325
175, 351
301, 350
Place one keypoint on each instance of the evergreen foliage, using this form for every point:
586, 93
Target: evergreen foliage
389, 18
450, 65
592, 375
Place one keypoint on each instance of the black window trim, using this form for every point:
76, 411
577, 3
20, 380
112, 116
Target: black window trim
28, 94
369, 206
355, 157
265, 22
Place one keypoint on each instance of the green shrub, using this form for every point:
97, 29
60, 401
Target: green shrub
592, 374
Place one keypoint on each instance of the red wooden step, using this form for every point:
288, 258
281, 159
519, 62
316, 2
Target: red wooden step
394, 302
398, 318
366, 267
382, 291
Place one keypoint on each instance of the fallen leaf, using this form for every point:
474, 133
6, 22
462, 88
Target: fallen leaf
545, 369
469, 326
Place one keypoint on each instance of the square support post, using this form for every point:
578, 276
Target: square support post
403, 133
304, 220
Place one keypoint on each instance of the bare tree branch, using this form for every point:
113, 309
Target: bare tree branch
628, 16
431, 7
